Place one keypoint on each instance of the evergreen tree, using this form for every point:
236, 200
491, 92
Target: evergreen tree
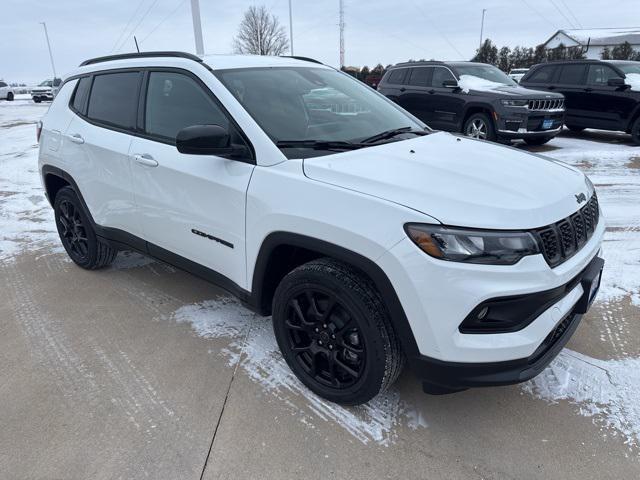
487, 53
504, 60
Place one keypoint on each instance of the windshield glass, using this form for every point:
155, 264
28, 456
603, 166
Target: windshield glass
629, 67
46, 83
486, 72
293, 104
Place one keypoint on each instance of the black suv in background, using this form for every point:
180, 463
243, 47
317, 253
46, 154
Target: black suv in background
476, 99
599, 93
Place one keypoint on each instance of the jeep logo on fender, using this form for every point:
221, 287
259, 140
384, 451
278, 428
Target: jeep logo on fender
581, 197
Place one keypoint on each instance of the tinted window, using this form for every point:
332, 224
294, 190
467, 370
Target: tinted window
176, 101
542, 75
420, 76
600, 74
440, 74
572, 74
397, 76
114, 99
81, 93
2, 84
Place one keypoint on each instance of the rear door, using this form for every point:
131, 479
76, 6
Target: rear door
608, 107
415, 97
571, 82
190, 205
96, 146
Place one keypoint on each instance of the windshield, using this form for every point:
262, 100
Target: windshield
294, 104
486, 72
629, 67
46, 83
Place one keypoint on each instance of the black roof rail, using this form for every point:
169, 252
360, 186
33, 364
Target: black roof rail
421, 62
306, 59
123, 56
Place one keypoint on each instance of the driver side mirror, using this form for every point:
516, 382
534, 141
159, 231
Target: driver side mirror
208, 140
450, 84
616, 82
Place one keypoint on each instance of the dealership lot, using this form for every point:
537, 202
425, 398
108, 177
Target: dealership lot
145, 370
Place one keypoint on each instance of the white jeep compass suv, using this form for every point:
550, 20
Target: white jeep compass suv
368, 237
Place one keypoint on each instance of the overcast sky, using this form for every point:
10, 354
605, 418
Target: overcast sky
385, 31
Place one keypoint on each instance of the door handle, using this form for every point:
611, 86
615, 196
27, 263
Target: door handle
146, 160
403, 89
551, 87
432, 91
588, 89
76, 138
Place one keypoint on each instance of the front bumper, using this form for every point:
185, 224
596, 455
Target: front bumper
529, 123
444, 377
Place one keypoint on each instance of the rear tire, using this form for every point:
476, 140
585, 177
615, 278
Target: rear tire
10, 96
574, 128
37, 99
537, 141
77, 234
635, 131
480, 126
334, 332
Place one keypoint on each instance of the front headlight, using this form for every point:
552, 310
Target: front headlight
515, 103
472, 246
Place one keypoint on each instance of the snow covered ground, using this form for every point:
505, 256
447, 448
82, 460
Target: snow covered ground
607, 390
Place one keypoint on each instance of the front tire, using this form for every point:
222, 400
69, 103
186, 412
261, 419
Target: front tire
480, 126
537, 140
635, 131
77, 234
10, 97
334, 332
37, 99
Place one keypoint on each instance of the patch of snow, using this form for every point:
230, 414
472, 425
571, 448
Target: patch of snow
607, 390
633, 80
471, 82
254, 346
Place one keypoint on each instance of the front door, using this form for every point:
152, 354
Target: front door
190, 205
608, 106
446, 103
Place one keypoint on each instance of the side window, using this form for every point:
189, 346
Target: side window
572, 74
114, 99
2, 84
80, 95
440, 74
176, 101
600, 74
396, 77
420, 76
542, 75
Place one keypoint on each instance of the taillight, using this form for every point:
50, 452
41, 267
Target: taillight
38, 130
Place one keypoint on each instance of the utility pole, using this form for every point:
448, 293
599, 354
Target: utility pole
484, 10
290, 29
197, 27
46, 34
341, 33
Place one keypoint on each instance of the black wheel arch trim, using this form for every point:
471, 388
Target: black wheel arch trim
367, 266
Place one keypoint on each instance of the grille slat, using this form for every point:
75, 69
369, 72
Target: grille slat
563, 239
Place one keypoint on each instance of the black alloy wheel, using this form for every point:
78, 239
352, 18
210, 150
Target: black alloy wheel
335, 333
73, 233
327, 342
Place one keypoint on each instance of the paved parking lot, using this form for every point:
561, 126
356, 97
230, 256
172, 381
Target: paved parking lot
144, 371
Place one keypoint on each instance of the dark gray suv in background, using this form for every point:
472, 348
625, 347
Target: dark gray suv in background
476, 99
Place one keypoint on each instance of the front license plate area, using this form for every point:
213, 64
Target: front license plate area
547, 124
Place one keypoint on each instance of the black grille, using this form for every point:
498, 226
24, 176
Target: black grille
563, 239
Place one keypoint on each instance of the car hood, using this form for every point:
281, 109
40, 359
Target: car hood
458, 181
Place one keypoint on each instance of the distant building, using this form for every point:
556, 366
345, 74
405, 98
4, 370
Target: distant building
591, 41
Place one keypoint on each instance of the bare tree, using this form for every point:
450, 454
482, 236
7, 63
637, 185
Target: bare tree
260, 33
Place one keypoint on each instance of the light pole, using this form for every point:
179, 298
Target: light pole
484, 10
46, 34
197, 27
290, 29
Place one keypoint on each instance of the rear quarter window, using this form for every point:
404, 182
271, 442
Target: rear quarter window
396, 77
79, 99
542, 75
114, 99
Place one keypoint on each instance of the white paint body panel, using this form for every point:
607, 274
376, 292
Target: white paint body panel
359, 200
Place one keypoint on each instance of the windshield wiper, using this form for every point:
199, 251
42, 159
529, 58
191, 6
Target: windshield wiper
319, 144
392, 133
